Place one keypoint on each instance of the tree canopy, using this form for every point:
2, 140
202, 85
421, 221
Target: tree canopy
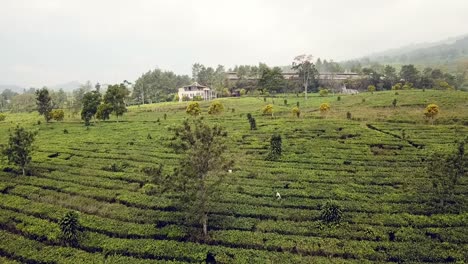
115, 98
271, 80
91, 101
44, 103
202, 169
19, 148
158, 86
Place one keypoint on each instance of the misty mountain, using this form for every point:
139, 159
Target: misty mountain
442, 53
67, 87
14, 88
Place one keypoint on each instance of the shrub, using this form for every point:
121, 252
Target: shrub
253, 124
233, 110
275, 147
431, 111
65, 131
57, 115
371, 88
226, 92
338, 98
104, 111
193, 109
242, 92
331, 212
285, 102
70, 228
407, 86
324, 107
264, 99
216, 108
2, 117
185, 98
323, 92
297, 104
397, 86
348, 115
296, 112
165, 116
268, 110
394, 102
197, 98
114, 167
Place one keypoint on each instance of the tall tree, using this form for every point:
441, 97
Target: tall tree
271, 80
158, 86
115, 97
410, 74
19, 148
206, 76
44, 103
306, 70
60, 98
219, 78
91, 101
196, 69
78, 95
202, 168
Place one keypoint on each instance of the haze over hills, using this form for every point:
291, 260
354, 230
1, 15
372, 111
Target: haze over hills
445, 53
12, 87
67, 87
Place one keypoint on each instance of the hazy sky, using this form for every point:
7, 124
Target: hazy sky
47, 42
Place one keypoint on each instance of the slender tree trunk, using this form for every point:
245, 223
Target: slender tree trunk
305, 87
205, 224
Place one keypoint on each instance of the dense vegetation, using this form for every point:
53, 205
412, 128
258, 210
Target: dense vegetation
354, 184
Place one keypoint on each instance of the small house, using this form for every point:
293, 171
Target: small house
196, 90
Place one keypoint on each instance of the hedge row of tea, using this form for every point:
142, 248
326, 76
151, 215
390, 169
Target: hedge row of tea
375, 170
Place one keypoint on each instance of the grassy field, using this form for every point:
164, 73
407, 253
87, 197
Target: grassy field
364, 163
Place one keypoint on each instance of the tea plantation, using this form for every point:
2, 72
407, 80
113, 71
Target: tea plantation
371, 161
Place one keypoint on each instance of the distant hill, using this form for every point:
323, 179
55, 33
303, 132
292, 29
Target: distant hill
67, 87
445, 53
14, 88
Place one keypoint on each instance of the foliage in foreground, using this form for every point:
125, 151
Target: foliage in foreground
70, 228
446, 171
19, 148
331, 212
201, 170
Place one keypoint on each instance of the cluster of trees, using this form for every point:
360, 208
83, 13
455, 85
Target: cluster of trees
385, 77
26, 101
214, 78
114, 101
91, 103
157, 86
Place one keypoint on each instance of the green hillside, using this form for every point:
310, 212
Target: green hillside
444, 54
373, 164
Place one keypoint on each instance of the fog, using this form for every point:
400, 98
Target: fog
54, 41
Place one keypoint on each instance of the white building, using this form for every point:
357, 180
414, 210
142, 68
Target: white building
345, 90
195, 89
